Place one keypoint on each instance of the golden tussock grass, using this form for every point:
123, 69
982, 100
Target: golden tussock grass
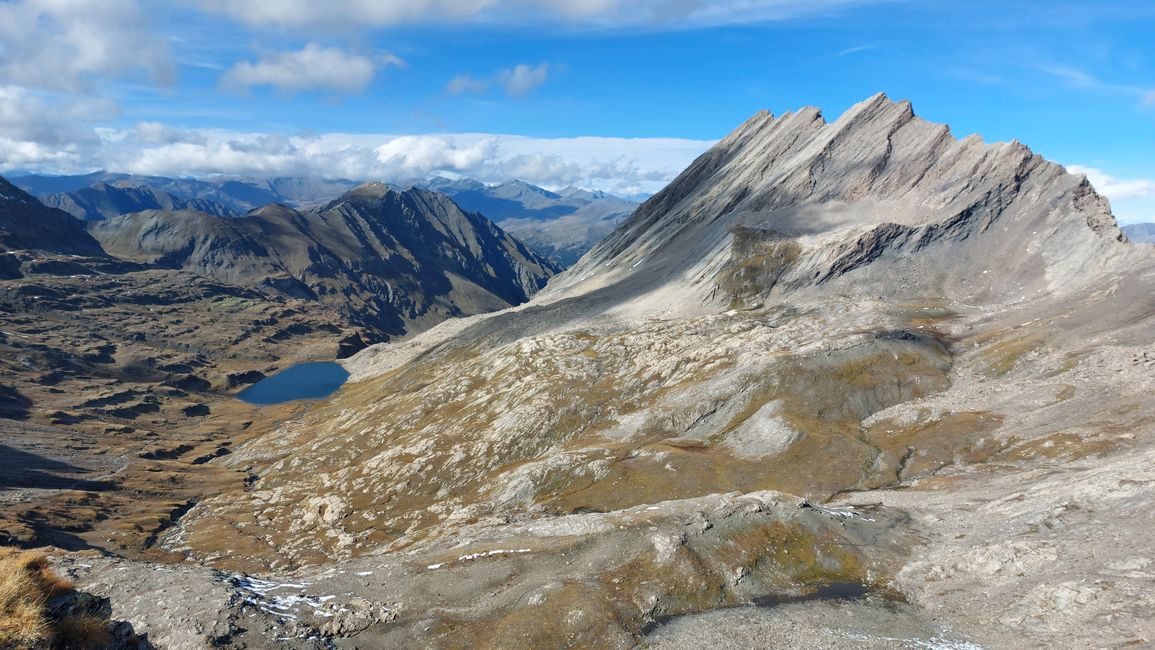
27, 581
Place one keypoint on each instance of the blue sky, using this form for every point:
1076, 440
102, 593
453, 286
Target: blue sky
500, 88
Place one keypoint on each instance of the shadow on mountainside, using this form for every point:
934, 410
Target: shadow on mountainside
13, 404
20, 469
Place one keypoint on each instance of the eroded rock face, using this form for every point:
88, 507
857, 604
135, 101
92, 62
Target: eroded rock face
864, 312
898, 201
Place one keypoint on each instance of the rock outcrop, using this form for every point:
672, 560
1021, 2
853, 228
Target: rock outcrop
881, 192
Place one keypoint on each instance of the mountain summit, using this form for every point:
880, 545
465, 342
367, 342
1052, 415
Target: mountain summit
879, 191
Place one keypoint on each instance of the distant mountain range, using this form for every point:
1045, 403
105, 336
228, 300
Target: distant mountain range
391, 262
237, 195
560, 225
108, 200
1142, 233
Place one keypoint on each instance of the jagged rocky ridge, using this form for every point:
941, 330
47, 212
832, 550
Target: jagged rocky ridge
394, 262
866, 313
561, 225
879, 191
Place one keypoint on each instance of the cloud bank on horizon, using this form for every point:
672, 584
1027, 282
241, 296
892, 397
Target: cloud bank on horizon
617, 95
618, 165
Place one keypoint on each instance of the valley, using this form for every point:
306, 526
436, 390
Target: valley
842, 383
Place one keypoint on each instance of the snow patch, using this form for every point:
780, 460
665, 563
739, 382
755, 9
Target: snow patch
475, 556
259, 594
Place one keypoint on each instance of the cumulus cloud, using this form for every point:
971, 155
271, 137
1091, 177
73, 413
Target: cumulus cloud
465, 83
155, 133
1149, 98
1114, 188
70, 44
523, 78
592, 13
40, 130
516, 81
311, 68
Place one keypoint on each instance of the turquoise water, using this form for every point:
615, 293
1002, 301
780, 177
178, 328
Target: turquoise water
302, 381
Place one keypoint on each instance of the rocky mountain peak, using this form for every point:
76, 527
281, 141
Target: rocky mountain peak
372, 189
875, 190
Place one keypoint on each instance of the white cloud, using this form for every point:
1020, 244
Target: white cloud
70, 44
1132, 200
516, 81
522, 78
621, 165
311, 68
853, 50
1114, 188
670, 14
38, 129
155, 133
1083, 80
465, 83
309, 13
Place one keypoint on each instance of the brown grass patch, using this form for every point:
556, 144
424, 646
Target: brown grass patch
999, 357
756, 269
919, 449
